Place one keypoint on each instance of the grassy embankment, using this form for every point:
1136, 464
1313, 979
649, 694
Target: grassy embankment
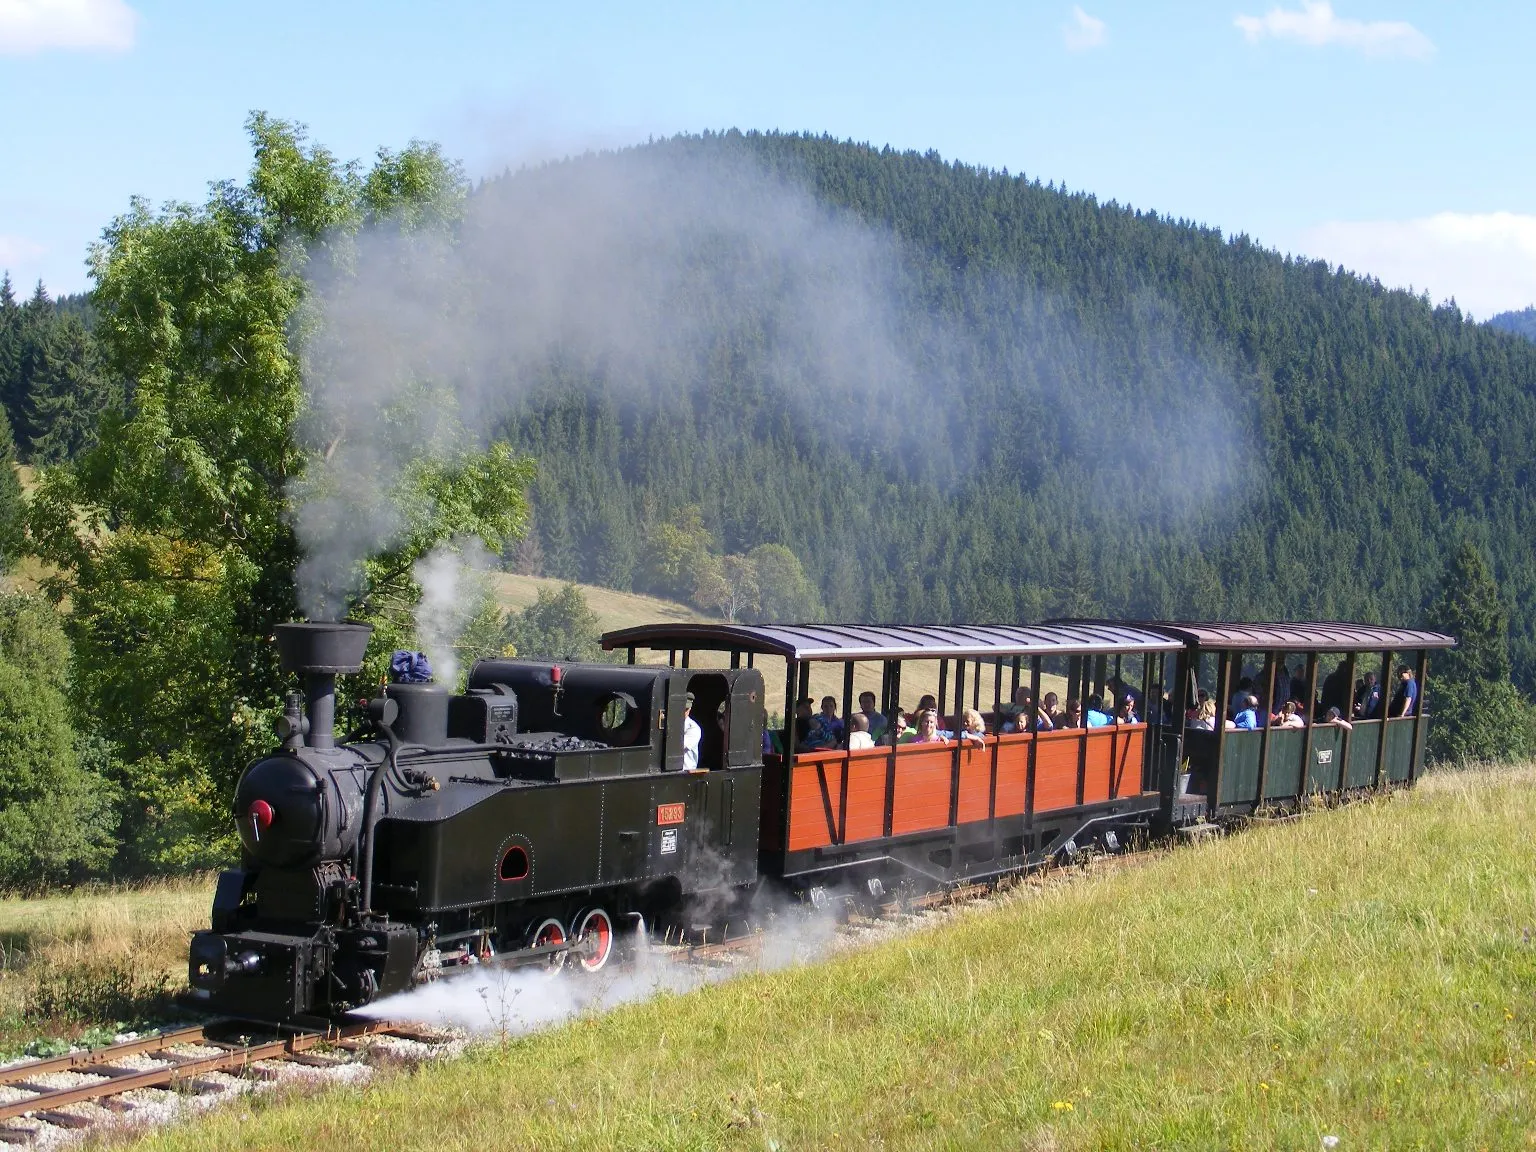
74, 962
1365, 974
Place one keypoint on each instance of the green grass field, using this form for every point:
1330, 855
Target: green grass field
1365, 974
75, 960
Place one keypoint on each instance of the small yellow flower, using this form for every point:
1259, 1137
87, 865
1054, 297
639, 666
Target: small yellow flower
1061, 1105
1263, 1087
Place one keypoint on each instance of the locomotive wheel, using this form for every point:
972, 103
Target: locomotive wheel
596, 926
548, 931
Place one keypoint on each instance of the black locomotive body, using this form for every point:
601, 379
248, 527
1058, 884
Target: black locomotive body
534, 816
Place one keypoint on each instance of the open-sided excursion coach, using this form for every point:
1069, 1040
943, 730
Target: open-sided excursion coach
955, 810
1236, 772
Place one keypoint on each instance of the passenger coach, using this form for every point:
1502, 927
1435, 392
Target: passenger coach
1235, 773
944, 812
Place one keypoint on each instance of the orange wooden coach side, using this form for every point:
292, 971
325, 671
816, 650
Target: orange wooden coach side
925, 782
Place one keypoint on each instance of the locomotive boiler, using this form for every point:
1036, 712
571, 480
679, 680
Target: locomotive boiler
535, 818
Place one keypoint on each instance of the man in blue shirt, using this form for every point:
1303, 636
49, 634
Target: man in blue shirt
1407, 695
1248, 718
1096, 717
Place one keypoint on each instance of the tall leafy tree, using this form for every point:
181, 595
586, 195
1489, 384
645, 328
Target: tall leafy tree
55, 814
173, 536
559, 625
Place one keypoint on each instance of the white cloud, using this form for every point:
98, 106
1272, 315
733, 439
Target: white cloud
1316, 24
1486, 261
30, 26
18, 251
1083, 31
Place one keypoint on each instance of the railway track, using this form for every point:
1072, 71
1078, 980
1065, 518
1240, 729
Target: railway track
47, 1093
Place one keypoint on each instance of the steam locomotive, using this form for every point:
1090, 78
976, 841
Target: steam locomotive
532, 819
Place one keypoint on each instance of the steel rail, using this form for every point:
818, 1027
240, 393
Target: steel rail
78, 1061
178, 1070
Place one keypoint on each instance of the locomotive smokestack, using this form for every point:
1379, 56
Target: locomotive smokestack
320, 652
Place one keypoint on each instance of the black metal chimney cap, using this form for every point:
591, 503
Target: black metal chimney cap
322, 647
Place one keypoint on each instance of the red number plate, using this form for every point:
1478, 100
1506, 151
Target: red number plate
669, 814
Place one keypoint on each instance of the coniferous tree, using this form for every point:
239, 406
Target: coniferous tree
1479, 714
1470, 609
12, 509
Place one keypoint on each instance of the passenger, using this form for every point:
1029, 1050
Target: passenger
1074, 715
1301, 690
826, 728
1127, 712
1244, 689
858, 736
1368, 698
1097, 717
805, 721
928, 729
1205, 714
973, 728
1023, 705
1124, 691
1193, 712
899, 727
1336, 718
1289, 716
1336, 688
875, 722
927, 703
1407, 694
1282, 683
692, 733
1247, 717
1053, 709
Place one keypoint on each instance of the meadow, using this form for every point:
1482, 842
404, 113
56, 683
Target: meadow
76, 963
1361, 978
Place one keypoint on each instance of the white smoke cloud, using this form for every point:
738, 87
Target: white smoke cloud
511, 1002
687, 275
449, 598
629, 273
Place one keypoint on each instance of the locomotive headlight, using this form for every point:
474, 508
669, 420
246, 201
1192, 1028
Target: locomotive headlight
260, 814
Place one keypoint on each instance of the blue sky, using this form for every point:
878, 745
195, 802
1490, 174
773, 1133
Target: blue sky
1394, 136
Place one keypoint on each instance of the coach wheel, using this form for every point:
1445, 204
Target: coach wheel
546, 932
595, 926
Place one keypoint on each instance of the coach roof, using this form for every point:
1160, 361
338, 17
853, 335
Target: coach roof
1316, 636
865, 642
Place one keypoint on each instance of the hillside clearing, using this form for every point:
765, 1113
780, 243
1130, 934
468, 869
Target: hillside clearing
1366, 974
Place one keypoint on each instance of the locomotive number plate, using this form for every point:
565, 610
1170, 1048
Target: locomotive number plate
669, 814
